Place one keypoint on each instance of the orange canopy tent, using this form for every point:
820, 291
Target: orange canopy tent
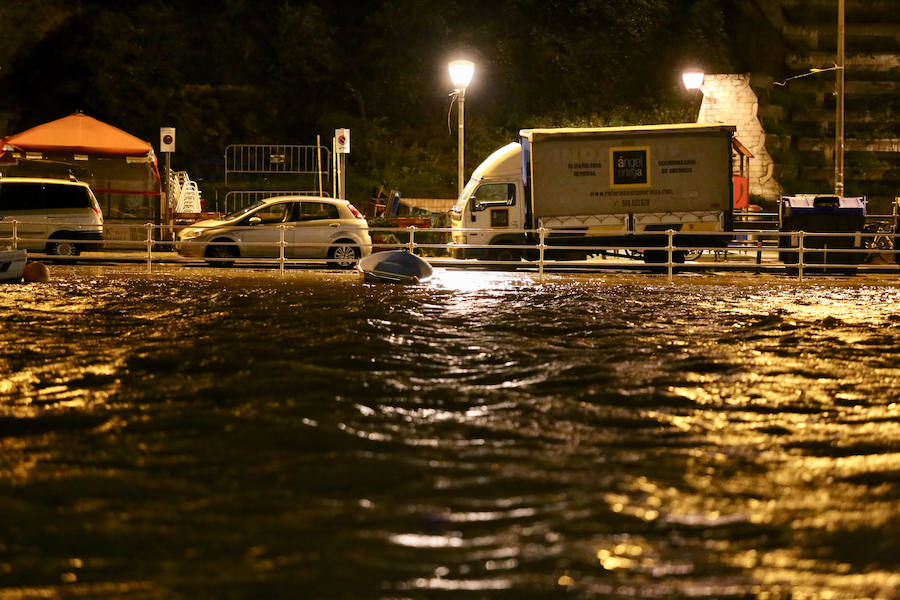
120, 168
78, 133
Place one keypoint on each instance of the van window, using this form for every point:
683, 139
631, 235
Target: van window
21, 196
65, 196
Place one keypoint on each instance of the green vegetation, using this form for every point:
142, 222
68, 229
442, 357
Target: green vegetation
279, 71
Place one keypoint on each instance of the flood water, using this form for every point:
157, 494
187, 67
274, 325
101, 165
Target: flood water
224, 434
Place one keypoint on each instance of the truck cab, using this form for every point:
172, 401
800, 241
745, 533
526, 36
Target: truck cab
490, 210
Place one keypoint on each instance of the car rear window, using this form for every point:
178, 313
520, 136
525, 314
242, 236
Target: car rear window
65, 196
21, 196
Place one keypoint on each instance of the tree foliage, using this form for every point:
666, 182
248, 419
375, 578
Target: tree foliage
282, 71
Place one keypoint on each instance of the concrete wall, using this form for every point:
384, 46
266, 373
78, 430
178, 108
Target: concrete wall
728, 98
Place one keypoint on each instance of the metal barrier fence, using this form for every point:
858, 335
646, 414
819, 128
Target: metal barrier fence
796, 252
277, 158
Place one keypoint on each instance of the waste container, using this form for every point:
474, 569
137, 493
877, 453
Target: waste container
813, 214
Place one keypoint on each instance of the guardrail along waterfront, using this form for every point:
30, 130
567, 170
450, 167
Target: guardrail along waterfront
790, 252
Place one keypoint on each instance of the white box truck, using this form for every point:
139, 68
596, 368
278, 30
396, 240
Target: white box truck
610, 186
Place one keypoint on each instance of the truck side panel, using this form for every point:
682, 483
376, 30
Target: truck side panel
656, 172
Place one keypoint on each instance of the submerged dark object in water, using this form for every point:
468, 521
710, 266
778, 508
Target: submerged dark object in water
12, 264
394, 266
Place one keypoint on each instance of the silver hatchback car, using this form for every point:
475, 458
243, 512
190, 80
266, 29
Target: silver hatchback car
314, 227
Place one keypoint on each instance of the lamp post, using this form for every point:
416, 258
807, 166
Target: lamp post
461, 72
839, 108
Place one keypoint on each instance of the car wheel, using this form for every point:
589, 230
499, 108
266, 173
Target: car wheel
223, 254
63, 249
343, 255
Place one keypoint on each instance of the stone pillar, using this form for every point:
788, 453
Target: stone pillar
728, 98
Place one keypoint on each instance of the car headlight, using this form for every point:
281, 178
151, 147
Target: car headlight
190, 234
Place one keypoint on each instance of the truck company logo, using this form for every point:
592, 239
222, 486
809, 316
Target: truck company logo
629, 167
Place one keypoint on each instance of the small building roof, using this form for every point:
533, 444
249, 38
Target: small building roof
78, 133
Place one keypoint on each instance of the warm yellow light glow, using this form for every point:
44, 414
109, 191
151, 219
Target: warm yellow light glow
461, 72
692, 79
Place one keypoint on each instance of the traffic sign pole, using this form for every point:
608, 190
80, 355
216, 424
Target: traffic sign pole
167, 147
341, 149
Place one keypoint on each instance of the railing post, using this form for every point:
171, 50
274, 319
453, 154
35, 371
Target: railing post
412, 241
670, 233
149, 227
542, 234
281, 229
15, 234
800, 258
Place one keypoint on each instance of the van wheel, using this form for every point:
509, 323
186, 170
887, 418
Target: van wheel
223, 253
343, 255
63, 248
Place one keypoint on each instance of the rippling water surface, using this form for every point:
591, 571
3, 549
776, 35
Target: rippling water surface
215, 434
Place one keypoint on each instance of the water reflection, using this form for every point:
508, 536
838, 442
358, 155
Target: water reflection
481, 281
484, 434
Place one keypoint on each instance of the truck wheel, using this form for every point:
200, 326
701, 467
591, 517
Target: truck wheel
506, 255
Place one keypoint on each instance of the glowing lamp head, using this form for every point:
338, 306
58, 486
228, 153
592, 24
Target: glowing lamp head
461, 72
692, 79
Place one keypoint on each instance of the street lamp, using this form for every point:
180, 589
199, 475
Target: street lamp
693, 80
461, 72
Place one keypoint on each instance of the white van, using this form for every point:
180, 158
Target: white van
55, 216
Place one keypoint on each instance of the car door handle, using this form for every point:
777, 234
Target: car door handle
334, 224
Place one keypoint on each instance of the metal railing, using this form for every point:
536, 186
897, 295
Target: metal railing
770, 220
794, 252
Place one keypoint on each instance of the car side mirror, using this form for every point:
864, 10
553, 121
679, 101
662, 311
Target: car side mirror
255, 220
